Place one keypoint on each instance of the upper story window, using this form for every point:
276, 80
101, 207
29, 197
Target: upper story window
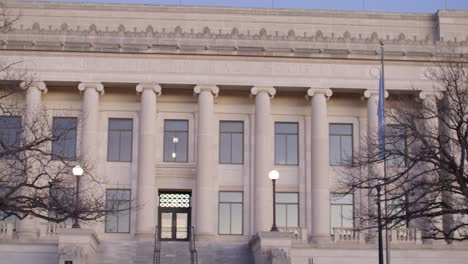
341, 144
341, 210
286, 143
230, 213
10, 135
287, 209
119, 143
176, 140
64, 143
61, 199
395, 145
231, 142
118, 205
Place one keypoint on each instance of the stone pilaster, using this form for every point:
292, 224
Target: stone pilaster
320, 191
206, 182
146, 187
263, 159
26, 228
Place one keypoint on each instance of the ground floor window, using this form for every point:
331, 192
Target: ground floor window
287, 209
118, 201
341, 210
230, 213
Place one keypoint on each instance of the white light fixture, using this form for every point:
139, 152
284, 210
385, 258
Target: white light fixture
77, 170
175, 140
173, 155
273, 175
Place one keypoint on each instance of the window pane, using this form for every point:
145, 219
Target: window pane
230, 197
287, 197
347, 213
237, 148
335, 216
169, 146
286, 128
225, 148
120, 124
181, 225
341, 129
292, 215
224, 218
118, 221
236, 219
181, 147
281, 215
111, 223
231, 126
10, 129
338, 198
280, 149
126, 146
113, 146
346, 150
124, 217
64, 131
176, 125
335, 151
292, 145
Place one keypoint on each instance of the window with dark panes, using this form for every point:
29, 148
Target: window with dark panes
286, 143
230, 213
7, 196
118, 221
341, 144
231, 142
397, 207
175, 140
61, 201
64, 143
10, 134
341, 209
395, 145
287, 209
119, 143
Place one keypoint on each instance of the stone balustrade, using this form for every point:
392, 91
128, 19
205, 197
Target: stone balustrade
347, 234
299, 233
51, 229
6, 229
405, 235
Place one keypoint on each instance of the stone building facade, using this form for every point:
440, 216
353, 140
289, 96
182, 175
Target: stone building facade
189, 108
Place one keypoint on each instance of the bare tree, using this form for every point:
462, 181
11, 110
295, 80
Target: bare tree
35, 165
426, 151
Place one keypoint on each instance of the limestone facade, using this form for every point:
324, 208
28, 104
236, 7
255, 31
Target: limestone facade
154, 63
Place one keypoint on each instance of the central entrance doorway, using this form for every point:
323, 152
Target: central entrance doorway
174, 215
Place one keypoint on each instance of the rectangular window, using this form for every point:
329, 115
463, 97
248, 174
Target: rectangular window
64, 143
61, 201
230, 213
7, 197
395, 145
341, 144
118, 220
231, 142
287, 209
119, 141
10, 135
175, 140
397, 210
286, 143
341, 210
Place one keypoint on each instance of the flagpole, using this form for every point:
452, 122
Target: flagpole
387, 246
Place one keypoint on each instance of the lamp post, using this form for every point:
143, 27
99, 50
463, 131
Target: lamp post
77, 171
377, 184
274, 175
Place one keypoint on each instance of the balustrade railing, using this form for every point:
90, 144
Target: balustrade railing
347, 234
6, 229
405, 235
296, 230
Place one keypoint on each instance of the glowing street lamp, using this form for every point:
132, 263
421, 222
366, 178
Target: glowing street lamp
274, 175
78, 172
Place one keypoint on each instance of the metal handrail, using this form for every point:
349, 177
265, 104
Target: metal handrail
193, 248
157, 247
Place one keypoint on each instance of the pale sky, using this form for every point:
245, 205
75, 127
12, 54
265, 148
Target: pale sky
420, 6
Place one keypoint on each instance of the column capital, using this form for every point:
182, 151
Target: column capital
267, 89
91, 85
41, 86
155, 87
325, 91
206, 87
423, 95
373, 92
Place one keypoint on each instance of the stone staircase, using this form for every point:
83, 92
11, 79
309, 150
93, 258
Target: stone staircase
172, 252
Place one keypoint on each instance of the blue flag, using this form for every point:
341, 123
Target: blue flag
381, 115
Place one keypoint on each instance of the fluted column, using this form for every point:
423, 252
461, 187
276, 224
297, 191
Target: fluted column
206, 183
32, 122
263, 159
146, 189
320, 190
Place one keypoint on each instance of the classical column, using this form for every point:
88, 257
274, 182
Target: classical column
263, 159
320, 190
206, 189
146, 189
32, 123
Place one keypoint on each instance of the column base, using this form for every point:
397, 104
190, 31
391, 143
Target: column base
321, 239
